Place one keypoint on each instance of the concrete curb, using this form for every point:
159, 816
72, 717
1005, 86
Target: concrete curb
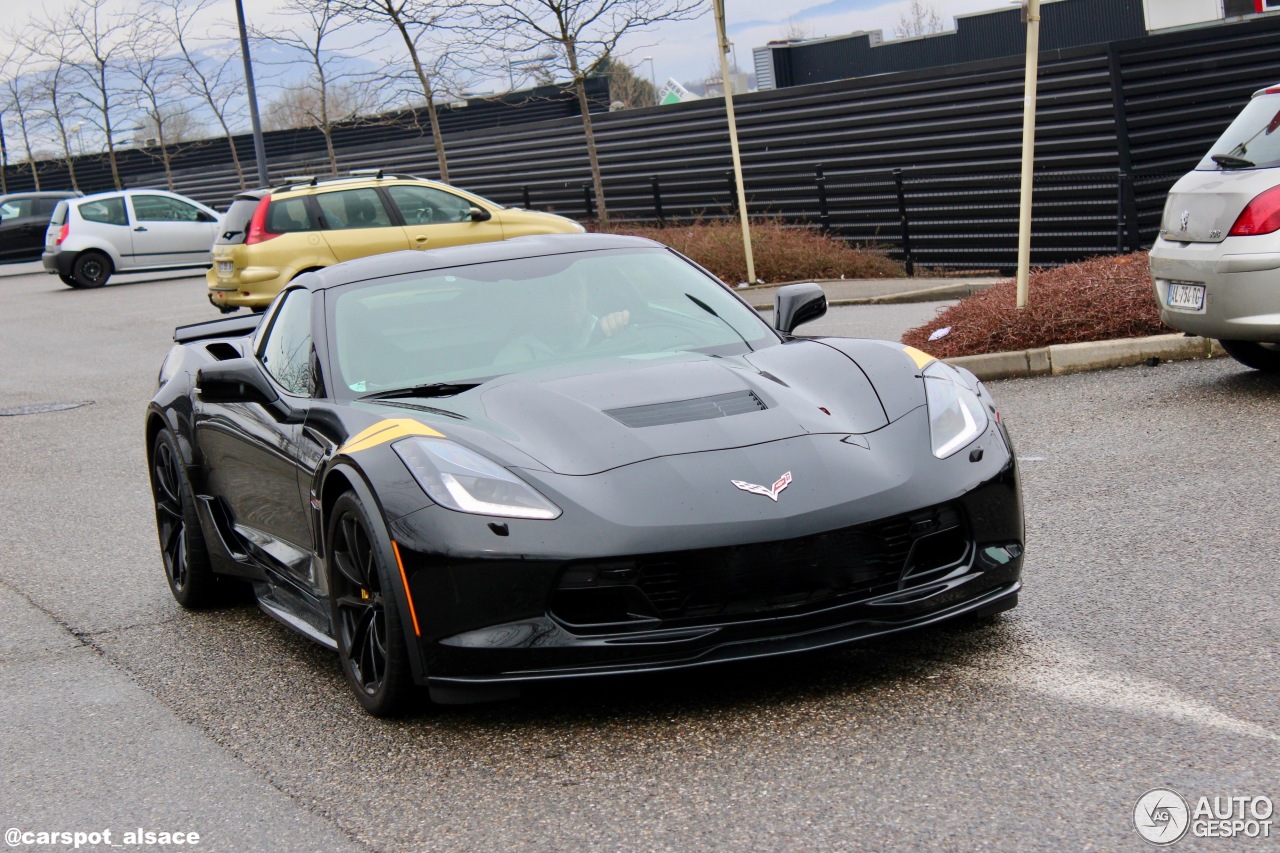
928, 294
1061, 359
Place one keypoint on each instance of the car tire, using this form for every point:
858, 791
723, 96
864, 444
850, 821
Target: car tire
182, 546
1265, 357
90, 269
366, 617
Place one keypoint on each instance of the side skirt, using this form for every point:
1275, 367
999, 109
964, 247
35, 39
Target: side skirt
297, 611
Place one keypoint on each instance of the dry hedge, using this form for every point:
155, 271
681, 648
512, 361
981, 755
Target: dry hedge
1094, 300
781, 252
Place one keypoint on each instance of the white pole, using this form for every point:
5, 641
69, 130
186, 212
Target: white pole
725, 47
1028, 148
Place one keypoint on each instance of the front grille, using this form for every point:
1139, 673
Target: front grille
739, 581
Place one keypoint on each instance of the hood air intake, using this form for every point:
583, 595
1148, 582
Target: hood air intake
684, 411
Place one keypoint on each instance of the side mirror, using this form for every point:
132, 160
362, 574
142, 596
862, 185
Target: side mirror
236, 380
797, 303
479, 214
241, 380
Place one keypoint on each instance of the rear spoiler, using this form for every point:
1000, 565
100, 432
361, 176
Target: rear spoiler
230, 327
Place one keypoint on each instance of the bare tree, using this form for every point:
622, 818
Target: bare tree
47, 39
918, 19
99, 40
797, 30
214, 82
329, 94
626, 87
156, 80
577, 35
426, 28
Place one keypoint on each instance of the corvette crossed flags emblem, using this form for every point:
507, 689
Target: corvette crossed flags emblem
770, 493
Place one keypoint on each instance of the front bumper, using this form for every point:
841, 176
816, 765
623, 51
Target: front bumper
1242, 288
489, 622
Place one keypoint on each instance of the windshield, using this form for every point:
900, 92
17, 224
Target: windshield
236, 222
469, 324
1252, 140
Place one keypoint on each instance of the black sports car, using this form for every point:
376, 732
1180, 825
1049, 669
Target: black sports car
570, 455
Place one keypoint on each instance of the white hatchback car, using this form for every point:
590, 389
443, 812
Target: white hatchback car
1216, 263
92, 237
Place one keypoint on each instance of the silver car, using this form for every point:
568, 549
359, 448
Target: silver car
1216, 263
90, 238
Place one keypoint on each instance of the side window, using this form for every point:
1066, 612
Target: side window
286, 351
45, 206
288, 215
15, 207
428, 205
353, 209
109, 211
158, 208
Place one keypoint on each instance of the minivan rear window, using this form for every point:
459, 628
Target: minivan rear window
236, 223
1251, 141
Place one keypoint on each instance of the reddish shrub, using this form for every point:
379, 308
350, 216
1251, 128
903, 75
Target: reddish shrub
781, 252
1094, 300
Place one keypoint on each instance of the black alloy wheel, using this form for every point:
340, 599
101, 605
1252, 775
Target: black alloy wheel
366, 617
182, 545
90, 269
1264, 357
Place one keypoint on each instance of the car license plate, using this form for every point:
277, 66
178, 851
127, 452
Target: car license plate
225, 267
1182, 295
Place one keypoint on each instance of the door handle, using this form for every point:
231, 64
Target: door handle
421, 238
140, 228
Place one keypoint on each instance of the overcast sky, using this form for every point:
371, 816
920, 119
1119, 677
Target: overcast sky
686, 50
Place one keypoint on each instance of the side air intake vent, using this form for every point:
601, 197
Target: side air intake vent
684, 411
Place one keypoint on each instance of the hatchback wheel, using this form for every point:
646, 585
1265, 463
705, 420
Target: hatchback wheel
1264, 357
91, 269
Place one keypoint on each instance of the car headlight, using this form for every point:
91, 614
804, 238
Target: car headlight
463, 480
956, 415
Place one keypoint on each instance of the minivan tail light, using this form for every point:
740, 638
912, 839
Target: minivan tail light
258, 232
62, 233
1260, 216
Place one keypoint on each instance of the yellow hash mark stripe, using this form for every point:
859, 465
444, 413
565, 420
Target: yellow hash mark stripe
384, 431
919, 357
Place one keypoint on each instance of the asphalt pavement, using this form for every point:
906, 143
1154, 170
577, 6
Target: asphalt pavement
1143, 654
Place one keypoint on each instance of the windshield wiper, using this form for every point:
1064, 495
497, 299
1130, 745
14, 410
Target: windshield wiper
705, 307
433, 389
1227, 161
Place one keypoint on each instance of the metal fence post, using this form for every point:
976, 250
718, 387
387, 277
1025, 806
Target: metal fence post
588, 202
1129, 211
902, 218
524, 190
733, 192
1120, 176
824, 215
657, 198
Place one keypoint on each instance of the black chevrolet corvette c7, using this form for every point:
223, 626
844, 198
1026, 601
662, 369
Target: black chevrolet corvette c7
565, 456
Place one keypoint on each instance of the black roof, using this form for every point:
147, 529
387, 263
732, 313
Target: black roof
414, 260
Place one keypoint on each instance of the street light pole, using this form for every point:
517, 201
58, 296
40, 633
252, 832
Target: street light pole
725, 47
1028, 149
259, 150
652, 77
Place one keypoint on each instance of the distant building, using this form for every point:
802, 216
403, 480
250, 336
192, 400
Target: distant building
987, 35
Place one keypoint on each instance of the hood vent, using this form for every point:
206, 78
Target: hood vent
685, 411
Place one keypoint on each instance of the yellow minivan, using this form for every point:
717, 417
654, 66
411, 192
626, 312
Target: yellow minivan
270, 236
